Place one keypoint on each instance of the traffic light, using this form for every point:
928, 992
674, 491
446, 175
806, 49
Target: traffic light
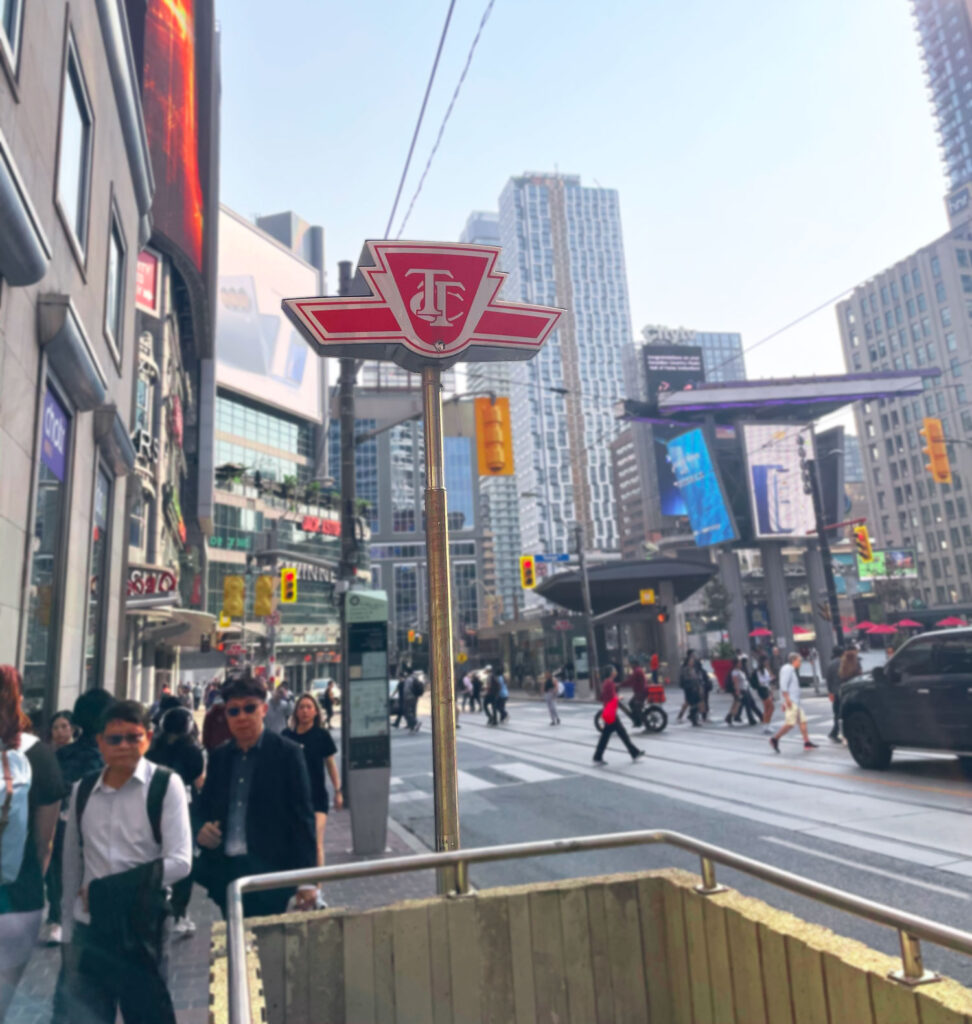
494, 439
288, 586
234, 596
263, 597
863, 541
936, 450
411, 636
528, 572
662, 616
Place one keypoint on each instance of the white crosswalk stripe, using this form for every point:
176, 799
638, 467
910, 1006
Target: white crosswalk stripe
469, 783
525, 772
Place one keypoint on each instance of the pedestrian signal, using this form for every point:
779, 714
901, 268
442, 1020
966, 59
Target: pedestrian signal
494, 438
863, 542
288, 586
937, 451
528, 572
234, 596
263, 597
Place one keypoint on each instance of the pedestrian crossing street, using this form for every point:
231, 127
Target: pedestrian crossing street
413, 788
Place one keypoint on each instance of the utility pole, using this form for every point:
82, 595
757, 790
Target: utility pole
593, 668
346, 570
813, 485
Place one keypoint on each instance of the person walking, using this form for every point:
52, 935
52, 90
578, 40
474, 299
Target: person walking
654, 665
467, 691
690, 682
34, 789
414, 689
327, 704
550, 696
216, 730
793, 713
477, 691
611, 719
491, 698
307, 730
742, 698
279, 709
128, 837
398, 701
762, 680
832, 679
638, 682
177, 748
502, 696
256, 806
850, 666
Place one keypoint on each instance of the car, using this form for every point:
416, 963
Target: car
922, 698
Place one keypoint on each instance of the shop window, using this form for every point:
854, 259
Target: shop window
94, 634
40, 657
74, 156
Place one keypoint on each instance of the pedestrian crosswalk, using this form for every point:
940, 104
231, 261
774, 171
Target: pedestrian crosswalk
413, 788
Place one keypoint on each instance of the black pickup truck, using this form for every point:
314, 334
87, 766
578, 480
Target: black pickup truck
921, 698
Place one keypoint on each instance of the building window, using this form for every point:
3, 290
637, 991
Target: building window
97, 580
407, 453
406, 603
946, 316
10, 15
136, 525
115, 286
49, 518
74, 159
459, 482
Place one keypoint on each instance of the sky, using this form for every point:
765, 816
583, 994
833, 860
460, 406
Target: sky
768, 155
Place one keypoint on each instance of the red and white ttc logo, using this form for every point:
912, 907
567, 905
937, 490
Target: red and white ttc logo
428, 303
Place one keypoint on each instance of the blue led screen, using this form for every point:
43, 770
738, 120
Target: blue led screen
699, 487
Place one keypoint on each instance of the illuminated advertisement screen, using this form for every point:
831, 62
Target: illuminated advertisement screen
700, 488
258, 351
672, 368
171, 105
896, 563
780, 507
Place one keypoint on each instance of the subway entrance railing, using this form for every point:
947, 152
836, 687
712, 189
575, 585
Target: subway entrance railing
911, 928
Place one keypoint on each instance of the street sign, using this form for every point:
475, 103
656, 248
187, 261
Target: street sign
424, 303
462, 657
561, 557
224, 621
646, 596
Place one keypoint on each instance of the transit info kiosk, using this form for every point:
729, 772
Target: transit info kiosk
369, 740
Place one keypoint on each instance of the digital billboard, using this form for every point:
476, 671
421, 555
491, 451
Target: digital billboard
700, 488
258, 351
671, 368
897, 563
780, 507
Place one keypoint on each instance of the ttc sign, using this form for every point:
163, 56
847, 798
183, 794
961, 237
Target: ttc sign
424, 303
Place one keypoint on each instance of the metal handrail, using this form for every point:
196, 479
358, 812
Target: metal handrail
911, 928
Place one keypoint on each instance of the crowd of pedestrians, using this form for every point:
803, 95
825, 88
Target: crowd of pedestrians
111, 820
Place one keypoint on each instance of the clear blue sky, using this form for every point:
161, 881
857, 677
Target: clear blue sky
767, 154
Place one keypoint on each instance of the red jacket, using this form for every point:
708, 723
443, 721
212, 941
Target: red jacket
638, 682
609, 698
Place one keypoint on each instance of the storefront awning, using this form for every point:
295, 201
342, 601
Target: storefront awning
176, 627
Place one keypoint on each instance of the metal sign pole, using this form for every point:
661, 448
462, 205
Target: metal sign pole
445, 783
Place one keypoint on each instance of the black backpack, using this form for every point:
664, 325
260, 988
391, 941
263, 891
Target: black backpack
153, 800
418, 687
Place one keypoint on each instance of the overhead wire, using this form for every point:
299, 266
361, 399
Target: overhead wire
421, 116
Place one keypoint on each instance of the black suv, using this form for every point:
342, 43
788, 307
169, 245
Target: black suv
921, 698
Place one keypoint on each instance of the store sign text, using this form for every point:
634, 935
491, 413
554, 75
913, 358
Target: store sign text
145, 580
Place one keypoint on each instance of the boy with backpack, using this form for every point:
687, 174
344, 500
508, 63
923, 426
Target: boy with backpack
127, 839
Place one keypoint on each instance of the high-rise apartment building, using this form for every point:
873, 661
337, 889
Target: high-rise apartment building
945, 31
562, 247
918, 314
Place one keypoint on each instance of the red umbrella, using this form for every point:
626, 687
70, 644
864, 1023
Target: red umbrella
863, 625
760, 631
951, 620
802, 629
908, 624
882, 629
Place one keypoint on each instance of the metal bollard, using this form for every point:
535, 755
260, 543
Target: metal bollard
912, 968
709, 886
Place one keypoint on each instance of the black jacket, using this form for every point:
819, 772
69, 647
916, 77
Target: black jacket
280, 833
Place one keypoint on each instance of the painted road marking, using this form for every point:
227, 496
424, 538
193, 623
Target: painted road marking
408, 795
469, 783
857, 865
525, 772
888, 847
868, 779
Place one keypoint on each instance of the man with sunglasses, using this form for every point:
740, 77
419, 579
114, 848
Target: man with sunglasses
127, 838
256, 805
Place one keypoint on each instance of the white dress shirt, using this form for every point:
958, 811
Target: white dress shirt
118, 836
790, 683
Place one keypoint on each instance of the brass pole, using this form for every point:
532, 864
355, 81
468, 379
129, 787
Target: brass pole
444, 781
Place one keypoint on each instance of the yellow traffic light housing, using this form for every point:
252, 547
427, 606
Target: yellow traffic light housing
234, 596
263, 597
862, 541
937, 450
288, 586
494, 438
528, 572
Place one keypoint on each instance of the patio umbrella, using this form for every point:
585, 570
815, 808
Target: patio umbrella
908, 624
882, 629
802, 629
863, 625
760, 631
951, 620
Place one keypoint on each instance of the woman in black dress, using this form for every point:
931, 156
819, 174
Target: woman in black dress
319, 750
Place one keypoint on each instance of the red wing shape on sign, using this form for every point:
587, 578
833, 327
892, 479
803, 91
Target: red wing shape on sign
424, 303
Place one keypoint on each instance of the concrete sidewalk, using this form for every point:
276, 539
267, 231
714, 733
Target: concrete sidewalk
189, 957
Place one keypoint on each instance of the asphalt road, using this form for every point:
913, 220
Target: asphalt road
901, 837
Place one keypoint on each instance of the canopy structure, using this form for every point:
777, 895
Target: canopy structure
950, 620
761, 631
615, 584
908, 624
